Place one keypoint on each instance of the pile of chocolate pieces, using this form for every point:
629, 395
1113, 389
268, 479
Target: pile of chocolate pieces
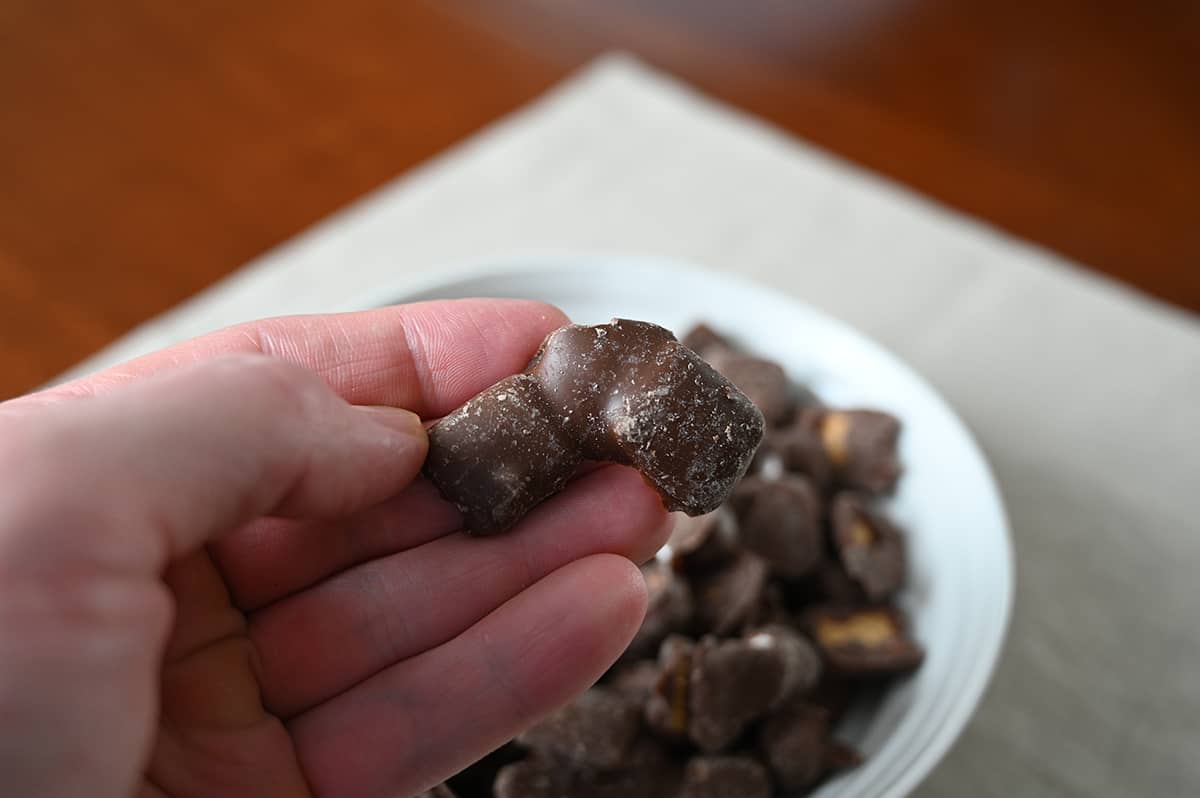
767, 618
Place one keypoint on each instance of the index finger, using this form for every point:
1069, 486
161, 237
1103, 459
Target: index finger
428, 357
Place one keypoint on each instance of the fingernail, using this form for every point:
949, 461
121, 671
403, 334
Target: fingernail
394, 418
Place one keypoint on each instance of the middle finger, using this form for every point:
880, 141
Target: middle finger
324, 640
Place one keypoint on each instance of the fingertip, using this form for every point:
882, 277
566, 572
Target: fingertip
646, 520
405, 438
623, 577
404, 427
620, 596
662, 524
634, 594
610, 509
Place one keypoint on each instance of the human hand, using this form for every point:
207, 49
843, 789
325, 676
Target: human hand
217, 579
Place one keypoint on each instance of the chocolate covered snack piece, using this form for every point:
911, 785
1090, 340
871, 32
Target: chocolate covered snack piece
870, 547
762, 380
729, 597
704, 341
863, 641
725, 777
647, 772
800, 448
625, 392
534, 778
667, 710
830, 584
782, 524
636, 681
595, 730
861, 446
733, 683
795, 742
802, 663
705, 540
771, 609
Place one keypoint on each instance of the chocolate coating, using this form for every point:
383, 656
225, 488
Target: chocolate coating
636, 681
762, 380
595, 730
647, 772
733, 682
794, 743
667, 711
728, 597
870, 547
725, 777
782, 524
802, 663
704, 541
704, 340
865, 641
862, 447
801, 449
625, 392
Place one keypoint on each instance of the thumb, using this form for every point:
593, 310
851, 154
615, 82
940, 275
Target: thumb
138, 477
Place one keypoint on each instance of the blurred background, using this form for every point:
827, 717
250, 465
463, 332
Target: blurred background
147, 149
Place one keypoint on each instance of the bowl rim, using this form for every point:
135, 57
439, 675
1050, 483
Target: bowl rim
410, 286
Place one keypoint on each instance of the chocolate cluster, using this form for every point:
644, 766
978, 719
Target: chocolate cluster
624, 392
768, 616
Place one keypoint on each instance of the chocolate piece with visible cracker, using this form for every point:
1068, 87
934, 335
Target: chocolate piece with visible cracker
636, 681
870, 547
863, 641
668, 710
800, 448
862, 447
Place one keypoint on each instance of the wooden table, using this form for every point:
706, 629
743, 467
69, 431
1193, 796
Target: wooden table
149, 148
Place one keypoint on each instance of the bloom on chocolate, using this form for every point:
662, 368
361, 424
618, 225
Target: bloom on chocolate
624, 392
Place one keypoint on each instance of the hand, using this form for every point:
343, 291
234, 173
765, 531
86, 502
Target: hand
217, 580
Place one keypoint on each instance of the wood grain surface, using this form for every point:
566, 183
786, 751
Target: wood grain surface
148, 149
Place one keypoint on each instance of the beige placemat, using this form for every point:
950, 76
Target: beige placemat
1085, 397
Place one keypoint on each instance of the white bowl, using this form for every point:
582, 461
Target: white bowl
960, 588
